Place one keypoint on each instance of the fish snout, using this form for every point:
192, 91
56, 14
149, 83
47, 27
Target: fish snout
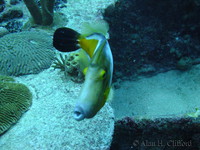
79, 113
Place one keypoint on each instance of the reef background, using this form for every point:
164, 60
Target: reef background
156, 80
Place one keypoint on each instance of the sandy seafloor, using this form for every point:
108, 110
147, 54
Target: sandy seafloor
167, 95
49, 124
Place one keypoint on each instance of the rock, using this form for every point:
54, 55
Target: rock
150, 134
159, 109
14, 2
60, 4
142, 33
11, 14
2, 3
3, 31
184, 63
14, 26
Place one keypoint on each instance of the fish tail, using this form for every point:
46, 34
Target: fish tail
66, 39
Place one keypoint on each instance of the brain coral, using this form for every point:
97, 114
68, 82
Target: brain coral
25, 53
6, 79
15, 99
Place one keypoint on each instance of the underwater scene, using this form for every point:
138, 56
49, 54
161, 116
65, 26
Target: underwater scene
99, 75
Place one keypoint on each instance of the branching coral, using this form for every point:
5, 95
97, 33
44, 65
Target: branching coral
59, 63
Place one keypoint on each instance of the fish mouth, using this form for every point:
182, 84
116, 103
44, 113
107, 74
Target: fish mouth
79, 113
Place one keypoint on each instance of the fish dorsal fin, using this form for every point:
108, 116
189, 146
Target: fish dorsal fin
100, 26
89, 45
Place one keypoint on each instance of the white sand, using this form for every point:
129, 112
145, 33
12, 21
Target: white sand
49, 123
81, 11
169, 94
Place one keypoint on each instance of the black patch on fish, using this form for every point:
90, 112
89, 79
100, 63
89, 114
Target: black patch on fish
65, 39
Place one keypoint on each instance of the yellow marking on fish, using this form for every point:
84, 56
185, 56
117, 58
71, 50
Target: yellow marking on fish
85, 70
83, 59
106, 93
105, 97
102, 74
88, 45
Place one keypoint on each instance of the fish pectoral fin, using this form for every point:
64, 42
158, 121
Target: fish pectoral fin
105, 97
85, 70
108, 94
84, 59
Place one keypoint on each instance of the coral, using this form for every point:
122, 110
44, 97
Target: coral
73, 64
3, 31
15, 99
25, 53
70, 65
14, 26
59, 63
44, 17
11, 17
47, 11
6, 79
11, 14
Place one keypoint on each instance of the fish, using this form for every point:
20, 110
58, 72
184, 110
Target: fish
98, 74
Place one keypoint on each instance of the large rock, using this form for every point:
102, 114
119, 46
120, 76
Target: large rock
11, 14
148, 37
2, 3
157, 134
161, 109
